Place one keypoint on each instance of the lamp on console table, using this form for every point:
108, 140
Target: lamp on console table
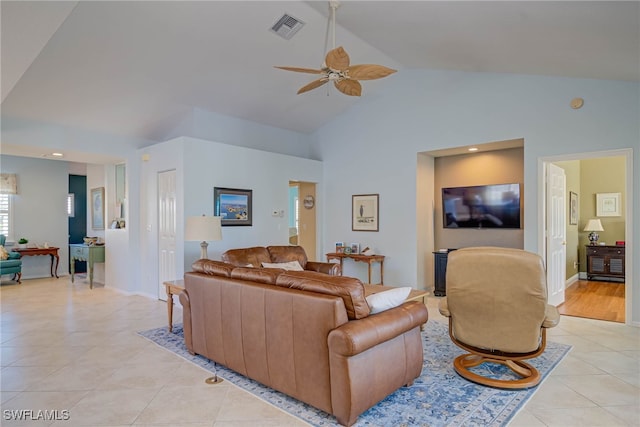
593, 225
203, 228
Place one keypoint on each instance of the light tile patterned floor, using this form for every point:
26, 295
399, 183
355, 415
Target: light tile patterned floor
66, 347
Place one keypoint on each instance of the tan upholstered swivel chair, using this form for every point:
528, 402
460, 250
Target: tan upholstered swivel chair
497, 308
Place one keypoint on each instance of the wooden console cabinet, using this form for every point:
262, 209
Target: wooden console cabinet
605, 261
440, 272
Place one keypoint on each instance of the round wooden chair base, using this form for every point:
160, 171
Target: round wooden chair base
530, 375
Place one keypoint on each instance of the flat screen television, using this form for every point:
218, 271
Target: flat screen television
481, 206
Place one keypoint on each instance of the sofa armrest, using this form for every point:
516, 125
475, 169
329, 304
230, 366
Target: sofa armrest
357, 336
186, 320
14, 255
331, 268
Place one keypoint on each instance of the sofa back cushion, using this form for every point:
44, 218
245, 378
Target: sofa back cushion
267, 276
280, 254
252, 257
212, 268
350, 289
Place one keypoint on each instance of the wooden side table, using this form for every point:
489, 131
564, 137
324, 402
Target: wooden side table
173, 287
52, 251
82, 252
369, 259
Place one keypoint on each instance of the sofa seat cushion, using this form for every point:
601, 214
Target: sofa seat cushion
350, 289
291, 265
213, 268
267, 276
245, 256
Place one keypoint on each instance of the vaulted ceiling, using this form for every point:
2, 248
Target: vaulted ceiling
136, 68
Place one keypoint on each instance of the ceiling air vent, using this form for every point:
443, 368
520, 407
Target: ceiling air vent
287, 26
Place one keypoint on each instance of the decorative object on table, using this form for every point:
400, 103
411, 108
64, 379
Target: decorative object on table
309, 201
97, 208
203, 228
233, 206
90, 240
336, 66
593, 225
608, 204
22, 243
355, 248
364, 212
339, 247
499, 318
347, 250
573, 208
367, 251
451, 400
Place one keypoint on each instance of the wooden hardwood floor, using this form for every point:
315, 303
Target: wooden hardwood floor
594, 300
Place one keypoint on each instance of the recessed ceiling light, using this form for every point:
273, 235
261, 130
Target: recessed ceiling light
57, 154
473, 149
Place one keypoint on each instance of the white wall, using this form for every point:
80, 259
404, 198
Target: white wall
211, 126
200, 166
376, 142
40, 210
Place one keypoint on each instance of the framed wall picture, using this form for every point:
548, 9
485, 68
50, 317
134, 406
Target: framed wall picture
608, 204
97, 208
573, 208
233, 205
364, 212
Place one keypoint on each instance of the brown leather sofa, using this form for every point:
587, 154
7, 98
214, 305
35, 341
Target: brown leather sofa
306, 334
255, 256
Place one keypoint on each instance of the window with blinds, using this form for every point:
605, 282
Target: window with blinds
5, 216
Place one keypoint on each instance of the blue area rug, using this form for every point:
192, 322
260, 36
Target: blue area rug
440, 397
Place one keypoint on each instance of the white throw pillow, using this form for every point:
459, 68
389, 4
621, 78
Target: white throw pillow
291, 265
385, 300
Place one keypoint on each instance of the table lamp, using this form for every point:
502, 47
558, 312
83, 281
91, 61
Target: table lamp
593, 225
203, 228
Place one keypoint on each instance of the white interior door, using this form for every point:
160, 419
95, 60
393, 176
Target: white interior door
166, 229
556, 234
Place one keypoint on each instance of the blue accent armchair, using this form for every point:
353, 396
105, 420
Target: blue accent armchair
11, 265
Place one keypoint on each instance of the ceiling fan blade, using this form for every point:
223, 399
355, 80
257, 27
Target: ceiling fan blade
349, 87
369, 72
300, 70
337, 59
314, 84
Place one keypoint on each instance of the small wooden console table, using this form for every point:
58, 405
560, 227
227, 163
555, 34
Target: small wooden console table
173, 287
53, 252
369, 259
82, 252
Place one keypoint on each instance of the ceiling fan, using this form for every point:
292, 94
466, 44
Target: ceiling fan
337, 68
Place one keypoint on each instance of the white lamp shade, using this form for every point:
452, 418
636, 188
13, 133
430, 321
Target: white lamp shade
203, 228
593, 225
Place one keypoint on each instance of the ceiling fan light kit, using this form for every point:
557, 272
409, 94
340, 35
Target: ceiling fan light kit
337, 67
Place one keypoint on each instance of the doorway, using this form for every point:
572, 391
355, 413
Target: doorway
77, 207
588, 174
166, 229
302, 217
